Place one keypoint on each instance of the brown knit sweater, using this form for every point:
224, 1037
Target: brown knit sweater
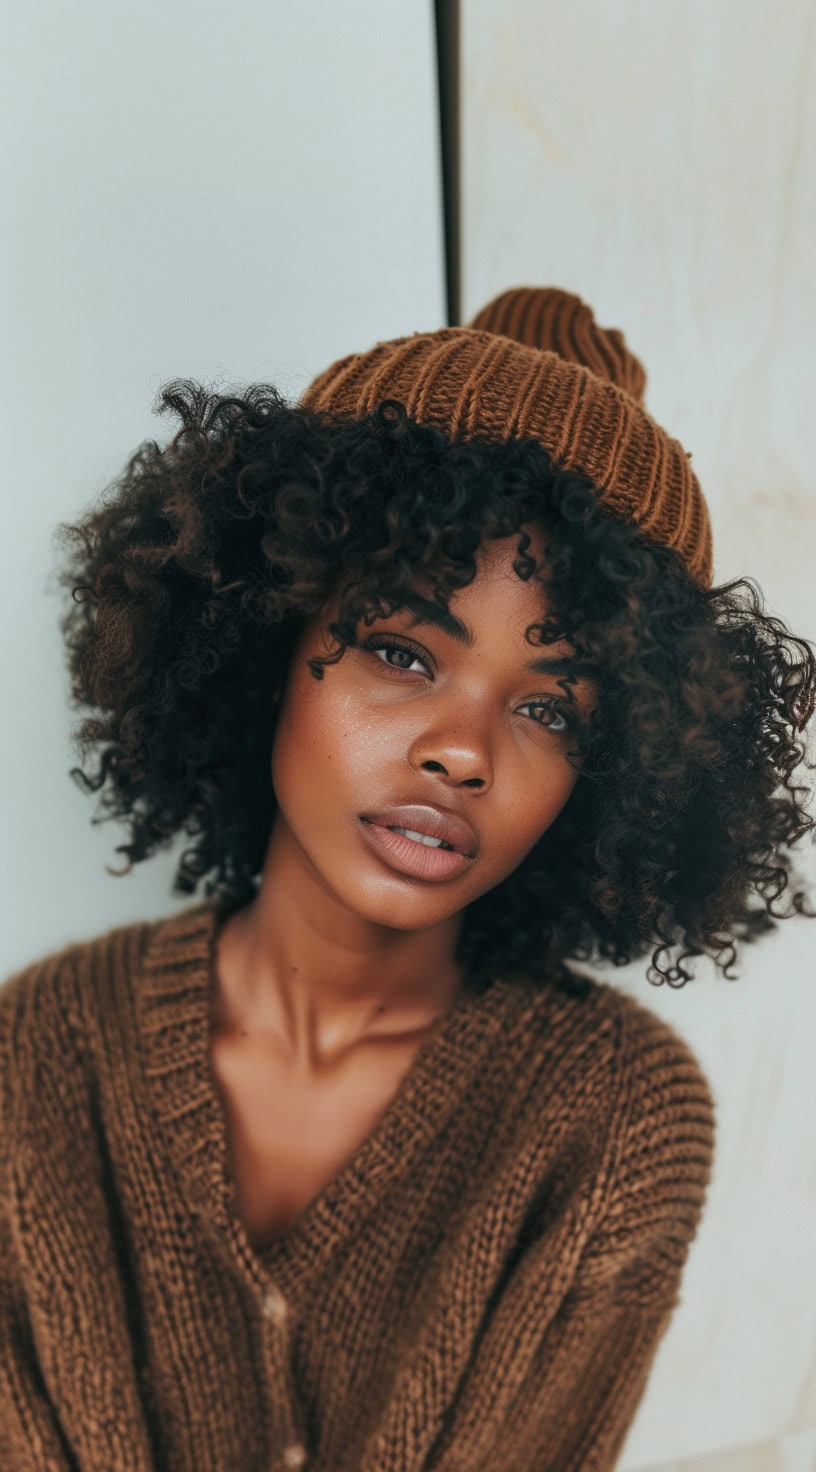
483, 1286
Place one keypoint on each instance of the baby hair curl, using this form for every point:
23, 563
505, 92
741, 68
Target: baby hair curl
193, 575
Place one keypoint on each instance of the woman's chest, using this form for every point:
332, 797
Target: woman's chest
287, 1136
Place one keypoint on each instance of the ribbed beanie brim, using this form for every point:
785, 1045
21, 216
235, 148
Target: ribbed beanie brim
534, 364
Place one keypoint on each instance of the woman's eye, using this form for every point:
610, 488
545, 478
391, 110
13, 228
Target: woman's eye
555, 719
552, 710
387, 646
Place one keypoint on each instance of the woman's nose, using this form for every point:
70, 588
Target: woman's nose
460, 748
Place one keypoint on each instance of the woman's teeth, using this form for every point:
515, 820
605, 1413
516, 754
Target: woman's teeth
422, 838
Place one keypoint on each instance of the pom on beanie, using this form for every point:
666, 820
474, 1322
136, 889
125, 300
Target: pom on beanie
544, 317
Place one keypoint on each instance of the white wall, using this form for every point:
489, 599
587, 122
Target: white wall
660, 160
231, 193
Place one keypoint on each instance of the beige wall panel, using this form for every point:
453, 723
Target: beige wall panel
660, 160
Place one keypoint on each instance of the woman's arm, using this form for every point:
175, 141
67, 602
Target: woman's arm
31, 1439
68, 1397
562, 1398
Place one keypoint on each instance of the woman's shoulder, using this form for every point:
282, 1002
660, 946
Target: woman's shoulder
646, 1045
48, 979
45, 987
54, 1008
665, 1117
658, 1103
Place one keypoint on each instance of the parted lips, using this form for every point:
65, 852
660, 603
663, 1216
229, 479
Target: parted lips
434, 821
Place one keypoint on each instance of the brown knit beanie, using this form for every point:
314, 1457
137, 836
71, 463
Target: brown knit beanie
534, 364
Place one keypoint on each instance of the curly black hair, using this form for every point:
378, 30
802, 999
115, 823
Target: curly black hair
194, 573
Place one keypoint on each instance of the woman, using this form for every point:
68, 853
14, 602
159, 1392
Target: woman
346, 1166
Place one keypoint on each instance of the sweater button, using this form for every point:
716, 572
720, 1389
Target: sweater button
274, 1307
294, 1456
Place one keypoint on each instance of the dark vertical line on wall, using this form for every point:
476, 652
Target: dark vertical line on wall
447, 65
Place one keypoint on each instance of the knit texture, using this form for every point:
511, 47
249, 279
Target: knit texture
545, 317
483, 1285
534, 364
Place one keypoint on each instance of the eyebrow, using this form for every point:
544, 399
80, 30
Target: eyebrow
428, 612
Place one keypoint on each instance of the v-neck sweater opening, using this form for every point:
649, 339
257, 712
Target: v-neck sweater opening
175, 1004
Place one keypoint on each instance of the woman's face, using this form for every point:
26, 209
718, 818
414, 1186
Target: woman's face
468, 728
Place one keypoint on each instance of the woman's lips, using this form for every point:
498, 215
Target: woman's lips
409, 856
437, 822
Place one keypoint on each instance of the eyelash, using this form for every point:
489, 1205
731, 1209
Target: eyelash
551, 704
